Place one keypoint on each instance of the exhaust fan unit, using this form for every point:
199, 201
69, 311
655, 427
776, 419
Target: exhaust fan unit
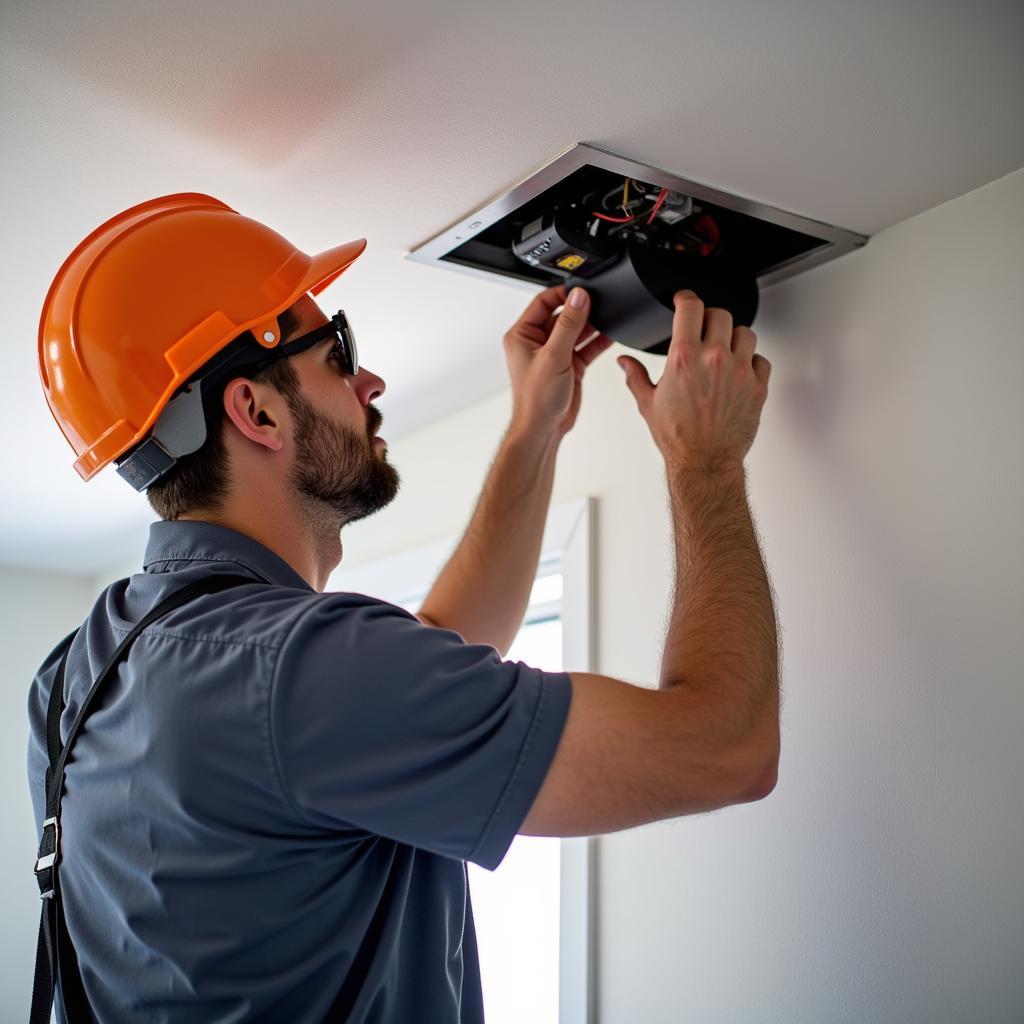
633, 235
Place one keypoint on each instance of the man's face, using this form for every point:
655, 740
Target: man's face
338, 460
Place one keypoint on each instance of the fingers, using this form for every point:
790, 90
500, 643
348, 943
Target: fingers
717, 328
569, 328
687, 319
539, 312
692, 326
717, 324
744, 341
638, 381
762, 369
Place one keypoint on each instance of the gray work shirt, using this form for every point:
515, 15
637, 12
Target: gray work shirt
269, 815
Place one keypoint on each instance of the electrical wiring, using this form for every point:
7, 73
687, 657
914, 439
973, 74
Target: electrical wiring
625, 207
705, 232
657, 205
614, 220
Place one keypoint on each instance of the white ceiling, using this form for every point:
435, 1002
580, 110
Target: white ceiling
331, 121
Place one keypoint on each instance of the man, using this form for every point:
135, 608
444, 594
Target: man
268, 815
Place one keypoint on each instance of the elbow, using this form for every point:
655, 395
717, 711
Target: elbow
766, 773
764, 782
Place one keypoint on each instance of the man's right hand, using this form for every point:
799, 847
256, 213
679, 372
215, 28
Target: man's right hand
705, 409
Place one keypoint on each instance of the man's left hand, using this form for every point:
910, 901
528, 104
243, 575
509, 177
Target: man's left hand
544, 364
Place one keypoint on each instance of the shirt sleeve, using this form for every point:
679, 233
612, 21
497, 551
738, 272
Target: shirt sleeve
405, 730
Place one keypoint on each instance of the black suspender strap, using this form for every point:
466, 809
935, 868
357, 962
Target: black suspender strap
55, 956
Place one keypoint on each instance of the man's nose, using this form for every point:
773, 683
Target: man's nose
369, 385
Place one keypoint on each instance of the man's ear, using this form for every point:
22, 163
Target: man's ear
255, 409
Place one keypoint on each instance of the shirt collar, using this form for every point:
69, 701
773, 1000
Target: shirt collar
181, 544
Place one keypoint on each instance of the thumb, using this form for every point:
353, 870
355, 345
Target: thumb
637, 379
565, 335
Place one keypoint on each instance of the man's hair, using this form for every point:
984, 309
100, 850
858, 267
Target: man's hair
200, 481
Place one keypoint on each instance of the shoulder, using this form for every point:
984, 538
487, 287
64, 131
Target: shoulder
365, 638
270, 615
301, 626
341, 613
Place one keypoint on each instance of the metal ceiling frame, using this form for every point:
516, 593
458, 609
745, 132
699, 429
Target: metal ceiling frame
837, 241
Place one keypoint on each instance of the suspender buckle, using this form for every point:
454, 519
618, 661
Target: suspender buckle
49, 854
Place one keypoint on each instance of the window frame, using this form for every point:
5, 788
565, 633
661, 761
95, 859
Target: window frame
568, 545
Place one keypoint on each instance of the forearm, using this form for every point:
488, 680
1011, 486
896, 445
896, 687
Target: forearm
484, 590
722, 638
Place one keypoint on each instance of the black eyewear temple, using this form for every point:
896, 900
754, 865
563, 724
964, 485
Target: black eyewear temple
245, 357
337, 326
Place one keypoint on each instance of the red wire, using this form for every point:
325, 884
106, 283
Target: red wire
657, 205
626, 220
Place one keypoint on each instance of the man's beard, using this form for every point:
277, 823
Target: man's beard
340, 467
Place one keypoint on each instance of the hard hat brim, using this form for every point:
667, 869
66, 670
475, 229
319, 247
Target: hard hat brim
328, 265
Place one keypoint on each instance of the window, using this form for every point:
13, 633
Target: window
517, 906
534, 913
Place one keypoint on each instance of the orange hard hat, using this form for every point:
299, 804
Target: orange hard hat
150, 297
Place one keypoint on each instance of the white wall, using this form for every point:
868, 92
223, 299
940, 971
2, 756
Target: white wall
883, 880
37, 610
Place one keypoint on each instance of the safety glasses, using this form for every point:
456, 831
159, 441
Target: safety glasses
245, 357
337, 327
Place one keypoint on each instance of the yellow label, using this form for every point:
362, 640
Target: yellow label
570, 261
